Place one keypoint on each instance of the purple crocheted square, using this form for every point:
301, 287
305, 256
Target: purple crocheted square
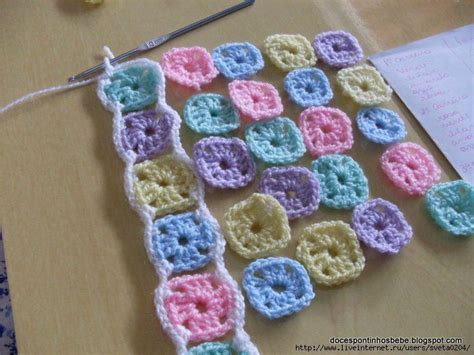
296, 188
337, 49
381, 226
146, 133
224, 162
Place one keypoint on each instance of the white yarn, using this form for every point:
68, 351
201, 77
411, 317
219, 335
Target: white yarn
241, 340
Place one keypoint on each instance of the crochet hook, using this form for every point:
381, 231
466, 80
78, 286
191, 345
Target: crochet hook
158, 41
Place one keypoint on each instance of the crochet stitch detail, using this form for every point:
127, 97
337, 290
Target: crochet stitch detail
237, 60
343, 183
296, 188
211, 114
214, 348
184, 241
338, 49
147, 134
326, 130
330, 252
308, 87
134, 88
451, 205
381, 226
380, 125
410, 168
200, 305
257, 226
277, 287
255, 100
277, 141
191, 67
165, 184
224, 162
364, 85
288, 52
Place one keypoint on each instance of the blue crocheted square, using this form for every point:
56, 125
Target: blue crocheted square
380, 125
308, 87
237, 60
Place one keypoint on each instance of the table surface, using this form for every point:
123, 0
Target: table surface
79, 276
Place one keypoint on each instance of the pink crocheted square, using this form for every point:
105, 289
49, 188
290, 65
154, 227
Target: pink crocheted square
191, 67
326, 130
255, 100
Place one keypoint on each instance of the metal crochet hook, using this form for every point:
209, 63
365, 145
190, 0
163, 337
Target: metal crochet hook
153, 43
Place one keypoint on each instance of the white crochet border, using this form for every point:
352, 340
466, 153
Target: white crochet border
241, 340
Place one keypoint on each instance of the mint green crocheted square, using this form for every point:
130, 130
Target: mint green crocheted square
214, 348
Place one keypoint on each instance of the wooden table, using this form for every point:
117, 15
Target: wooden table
79, 276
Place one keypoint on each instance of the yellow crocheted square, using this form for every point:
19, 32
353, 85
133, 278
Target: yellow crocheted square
165, 184
289, 52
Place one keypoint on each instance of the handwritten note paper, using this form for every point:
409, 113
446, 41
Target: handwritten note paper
434, 77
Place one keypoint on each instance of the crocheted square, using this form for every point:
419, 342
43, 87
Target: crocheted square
451, 205
326, 130
343, 183
255, 100
191, 67
277, 141
201, 305
224, 162
215, 348
381, 226
277, 287
330, 252
296, 188
133, 88
211, 114
288, 52
147, 134
338, 49
257, 226
410, 168
308, 87
165, 184
237, 60
364, 85
380, 125
185, 241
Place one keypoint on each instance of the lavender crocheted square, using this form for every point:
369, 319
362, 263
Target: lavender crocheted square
337, 49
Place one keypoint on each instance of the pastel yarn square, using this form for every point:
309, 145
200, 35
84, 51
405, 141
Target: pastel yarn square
165, 184
381, 225
184, 240
295, 187
308, 87
255, 99
277, 141
224, 162
380, 125
257, 226
338, 49
237, 60
277, 287
343, 183
191, 67
288, 52
364, 85
201, 305
451, 205
330, 252
326, 130
211, 114
215, 348
147, 134
133, 88
410, 168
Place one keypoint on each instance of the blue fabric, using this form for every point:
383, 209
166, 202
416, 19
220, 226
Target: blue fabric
343, 183
277, 141
380, 125
183, 240
277, 287
308, 87
134, 87
214, 348
237, 60
211, 114
7, 328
